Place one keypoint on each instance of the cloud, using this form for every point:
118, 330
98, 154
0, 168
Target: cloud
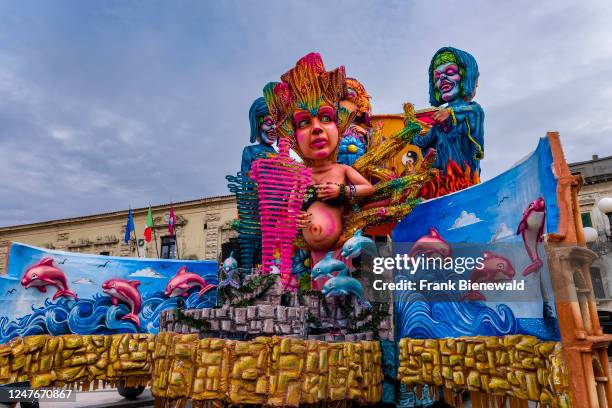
465, 219
502, 232
86, 114
84, 281
146, 273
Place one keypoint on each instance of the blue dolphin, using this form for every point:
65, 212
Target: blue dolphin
230, 263
327, 266
345, 285
358, 244
230, 267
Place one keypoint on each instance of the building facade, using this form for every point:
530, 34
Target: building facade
202, 227
597, 184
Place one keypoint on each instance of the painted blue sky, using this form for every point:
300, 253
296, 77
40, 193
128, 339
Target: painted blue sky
116, 103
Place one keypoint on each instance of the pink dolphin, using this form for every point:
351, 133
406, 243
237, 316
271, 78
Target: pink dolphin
43, 274
180, 284
495, 268
531, 228
127, 292
431, 244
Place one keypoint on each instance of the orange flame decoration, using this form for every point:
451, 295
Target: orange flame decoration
455, 179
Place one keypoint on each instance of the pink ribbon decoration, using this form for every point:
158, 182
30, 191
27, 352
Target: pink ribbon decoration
282, 183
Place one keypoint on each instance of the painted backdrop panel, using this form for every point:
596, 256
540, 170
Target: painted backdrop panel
56, 292
487, 215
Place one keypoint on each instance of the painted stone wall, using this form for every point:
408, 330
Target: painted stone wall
516, 366
268, 370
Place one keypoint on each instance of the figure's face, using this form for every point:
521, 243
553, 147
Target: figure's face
267, 131
316, 136
448, 81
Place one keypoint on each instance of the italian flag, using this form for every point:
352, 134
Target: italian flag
148, 232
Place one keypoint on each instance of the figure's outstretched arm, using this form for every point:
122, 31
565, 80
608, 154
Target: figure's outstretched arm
426, 141
358, 186
363, 188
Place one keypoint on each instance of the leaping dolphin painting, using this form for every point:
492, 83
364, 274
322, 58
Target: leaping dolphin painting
495, 268
431, 244
43, 274
183, 281
127, 292
531, 229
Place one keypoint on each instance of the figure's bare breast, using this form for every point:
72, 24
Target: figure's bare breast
325, 227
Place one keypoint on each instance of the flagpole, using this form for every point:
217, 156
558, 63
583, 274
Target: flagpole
135, 239
136, 242
154, 235
155, 238
174, 229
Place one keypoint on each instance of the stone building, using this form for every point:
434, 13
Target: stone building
597, 184
202, 227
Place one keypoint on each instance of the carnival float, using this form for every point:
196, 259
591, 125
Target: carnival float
296, 316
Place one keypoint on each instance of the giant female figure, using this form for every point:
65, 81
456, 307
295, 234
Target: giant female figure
306, 107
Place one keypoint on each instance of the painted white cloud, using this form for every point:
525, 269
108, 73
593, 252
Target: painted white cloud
146, 273
84, 281
503, 231
465, 219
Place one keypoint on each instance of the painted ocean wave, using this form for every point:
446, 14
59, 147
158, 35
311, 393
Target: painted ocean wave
427, 320
97, 316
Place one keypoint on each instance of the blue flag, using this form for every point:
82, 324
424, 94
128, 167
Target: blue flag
129, 227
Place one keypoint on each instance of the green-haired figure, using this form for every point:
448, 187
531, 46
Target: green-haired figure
458, 134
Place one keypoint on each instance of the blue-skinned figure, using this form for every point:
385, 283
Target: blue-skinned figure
458, 134
263, 131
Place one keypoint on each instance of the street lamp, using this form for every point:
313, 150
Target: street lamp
590, 234
605, 206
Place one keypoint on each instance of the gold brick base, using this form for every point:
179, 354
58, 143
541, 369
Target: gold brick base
515, 367
270, 371
266, 371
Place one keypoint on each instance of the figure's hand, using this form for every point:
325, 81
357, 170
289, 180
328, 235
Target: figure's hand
327, 191
303, 220
441, 115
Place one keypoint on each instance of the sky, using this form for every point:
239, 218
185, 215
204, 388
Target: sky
111, 104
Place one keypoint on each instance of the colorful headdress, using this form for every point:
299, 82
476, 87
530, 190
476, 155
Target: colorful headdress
467, 65
362, 100
258, 111
307, 86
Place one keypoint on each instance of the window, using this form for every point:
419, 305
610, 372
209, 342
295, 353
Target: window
105, 253
168, 248
586, 219
598, 286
